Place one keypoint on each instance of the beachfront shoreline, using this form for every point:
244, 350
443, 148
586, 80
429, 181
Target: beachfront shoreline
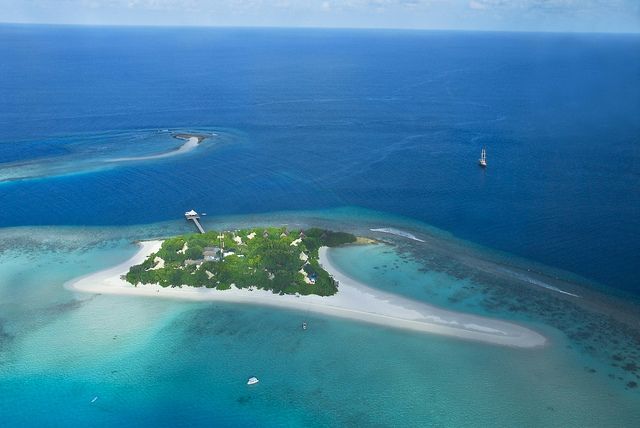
354, 300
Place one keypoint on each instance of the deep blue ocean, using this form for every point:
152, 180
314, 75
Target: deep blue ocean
387, 120
356, 129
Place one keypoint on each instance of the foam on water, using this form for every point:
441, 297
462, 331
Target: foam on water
397, 232
538, 282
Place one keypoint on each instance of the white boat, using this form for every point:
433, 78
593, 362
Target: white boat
304, 325
483, 158
252, 380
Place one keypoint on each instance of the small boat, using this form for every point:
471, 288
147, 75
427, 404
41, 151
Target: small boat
252, 380
304, 325
204, 213
483, 158
94, 399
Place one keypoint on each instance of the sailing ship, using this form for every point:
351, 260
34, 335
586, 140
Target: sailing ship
483, 158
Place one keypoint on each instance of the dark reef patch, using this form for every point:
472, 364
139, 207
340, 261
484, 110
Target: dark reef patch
243, 399
594, 323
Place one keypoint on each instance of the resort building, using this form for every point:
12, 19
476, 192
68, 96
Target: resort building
212, 254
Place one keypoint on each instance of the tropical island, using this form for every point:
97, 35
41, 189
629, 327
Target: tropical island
287, 269
276, 259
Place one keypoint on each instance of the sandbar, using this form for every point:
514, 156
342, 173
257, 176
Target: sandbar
354, 300
191, 142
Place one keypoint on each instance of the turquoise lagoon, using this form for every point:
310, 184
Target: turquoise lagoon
157, 362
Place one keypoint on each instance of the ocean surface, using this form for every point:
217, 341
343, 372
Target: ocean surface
353, 130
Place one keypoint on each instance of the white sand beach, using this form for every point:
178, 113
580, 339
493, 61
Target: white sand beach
354, 300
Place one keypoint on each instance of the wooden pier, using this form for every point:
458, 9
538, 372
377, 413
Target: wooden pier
192, 215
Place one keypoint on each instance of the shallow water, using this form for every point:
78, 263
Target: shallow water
602, 330
92, 152
60, 350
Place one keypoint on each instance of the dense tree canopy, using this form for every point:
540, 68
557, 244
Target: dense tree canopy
272, 259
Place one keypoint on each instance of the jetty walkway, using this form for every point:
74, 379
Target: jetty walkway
192, 215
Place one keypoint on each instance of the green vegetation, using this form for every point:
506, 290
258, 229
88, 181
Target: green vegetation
285, 262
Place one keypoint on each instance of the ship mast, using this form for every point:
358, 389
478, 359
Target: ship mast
483, 158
